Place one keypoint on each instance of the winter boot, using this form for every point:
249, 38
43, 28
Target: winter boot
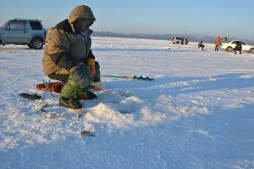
70, 103
86, 96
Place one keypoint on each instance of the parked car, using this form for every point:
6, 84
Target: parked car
180, 40
229, 46
23, 32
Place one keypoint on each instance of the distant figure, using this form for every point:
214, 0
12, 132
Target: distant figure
201, 45
217, 43
238, 47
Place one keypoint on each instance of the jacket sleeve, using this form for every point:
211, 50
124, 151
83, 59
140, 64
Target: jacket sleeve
57, 47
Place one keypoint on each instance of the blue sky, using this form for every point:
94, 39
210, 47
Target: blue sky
205, 17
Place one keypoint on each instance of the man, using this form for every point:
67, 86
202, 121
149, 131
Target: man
218, 43
238, 47
201, 45
68, 57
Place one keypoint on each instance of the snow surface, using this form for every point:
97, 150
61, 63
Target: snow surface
196, 114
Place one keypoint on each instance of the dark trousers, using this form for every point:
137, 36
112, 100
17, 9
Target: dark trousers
216, 47
237, 49
201, 47
62, 78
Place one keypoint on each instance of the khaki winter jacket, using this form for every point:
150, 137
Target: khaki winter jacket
64, 48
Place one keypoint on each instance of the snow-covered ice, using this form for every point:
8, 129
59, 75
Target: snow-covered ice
196, 114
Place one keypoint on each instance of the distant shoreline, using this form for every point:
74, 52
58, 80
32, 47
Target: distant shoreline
192, 38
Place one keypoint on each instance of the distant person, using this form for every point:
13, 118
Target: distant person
68, 57
238, 47
201, 46
218, 43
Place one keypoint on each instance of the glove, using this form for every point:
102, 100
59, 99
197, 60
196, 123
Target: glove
90, 62
79, 74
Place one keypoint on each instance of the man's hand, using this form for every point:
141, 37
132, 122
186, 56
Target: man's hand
91, 65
